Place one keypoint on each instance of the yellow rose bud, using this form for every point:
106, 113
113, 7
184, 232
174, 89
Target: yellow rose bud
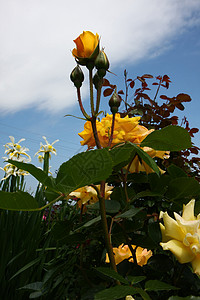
182, 236
87, 47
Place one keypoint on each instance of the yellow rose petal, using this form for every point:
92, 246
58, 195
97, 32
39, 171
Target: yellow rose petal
188, 211
182, 253
172, 229
196, 264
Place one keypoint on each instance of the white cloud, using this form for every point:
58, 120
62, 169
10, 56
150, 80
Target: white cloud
37, 37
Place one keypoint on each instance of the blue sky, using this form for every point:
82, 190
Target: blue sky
143, 36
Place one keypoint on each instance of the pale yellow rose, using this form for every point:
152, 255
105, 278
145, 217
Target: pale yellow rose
124, 252
140, 166
182, 235
88, 195
87, 45
129, 297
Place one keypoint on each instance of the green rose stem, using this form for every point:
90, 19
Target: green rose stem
101, 196
112, 131
98, 96
81, 104
91, 92
125, 180
94, 128
105, 228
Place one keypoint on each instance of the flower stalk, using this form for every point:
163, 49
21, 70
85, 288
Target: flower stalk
91, 92
81, 104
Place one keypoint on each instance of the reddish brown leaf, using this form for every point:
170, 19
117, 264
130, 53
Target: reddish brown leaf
194, 151
154, 83
194, 130
140, 79
166, 113
107, 92
129, 80
121, 92
174, 120
132, 83
186, 153
180, 106
147, 76
183, 98
156, 118
106, 82
145, 96
164, 97
166, 78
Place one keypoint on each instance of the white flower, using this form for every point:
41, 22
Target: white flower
10, 169
15, 151
46, 148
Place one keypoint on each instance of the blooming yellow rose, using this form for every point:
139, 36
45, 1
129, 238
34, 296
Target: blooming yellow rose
125, 129
182, 235
129, 297
123, 252
87, 46
88, 195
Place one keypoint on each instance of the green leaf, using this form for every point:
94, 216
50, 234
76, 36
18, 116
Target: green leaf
84, 169
121, 154
33, 286
61, 229
89, 223
169, 138
112, 206
129, 213
182, 187
118, 292
93, 221
136, 279
160, 263
112, 274
175, 171
17, 201
156, 285
146, 193
154, 232
184, 298
40, 175
27, 266
36, 295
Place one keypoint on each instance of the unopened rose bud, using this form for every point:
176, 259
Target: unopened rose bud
77, 76
96, 79
102, 63
114, 109
114, 102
